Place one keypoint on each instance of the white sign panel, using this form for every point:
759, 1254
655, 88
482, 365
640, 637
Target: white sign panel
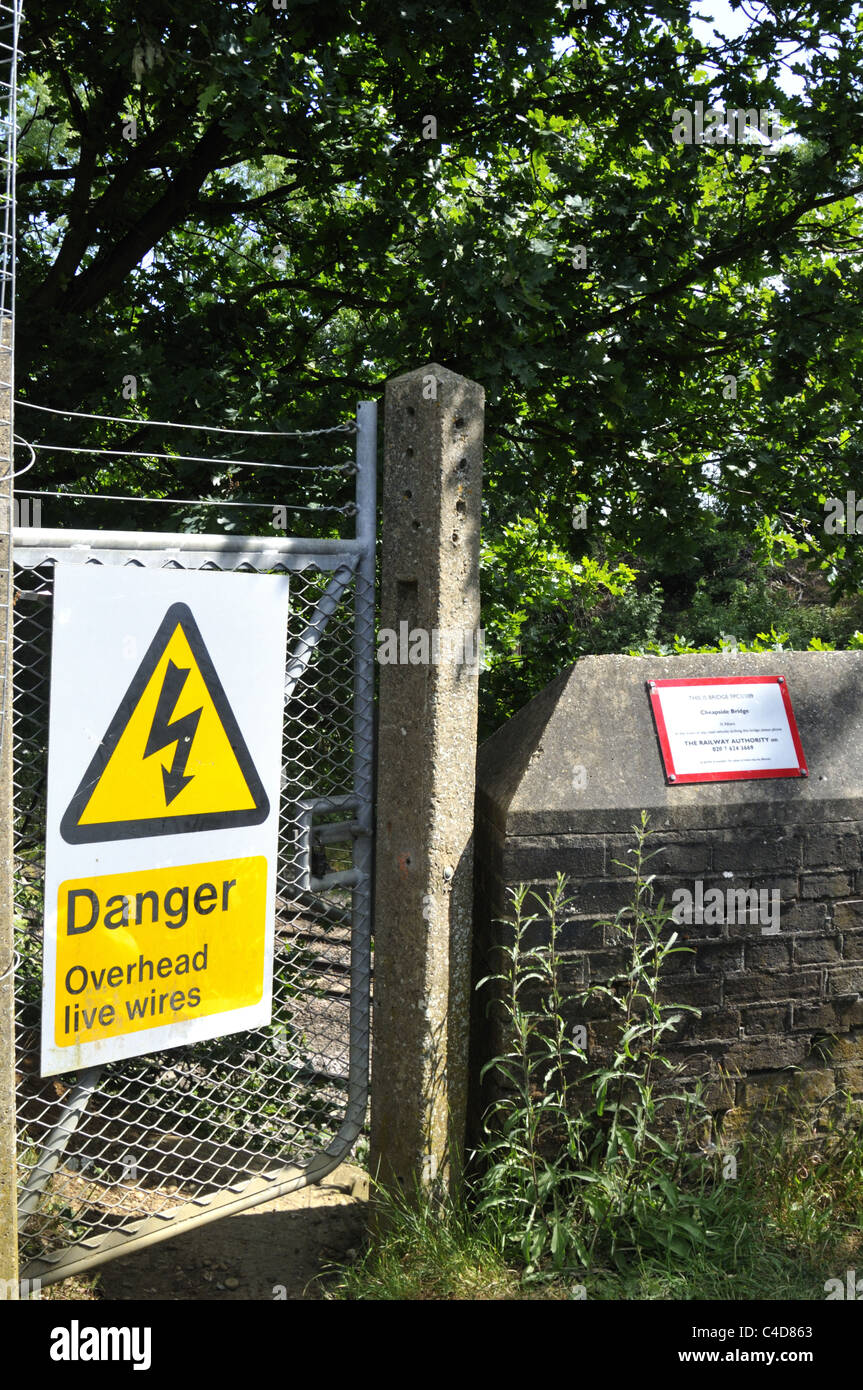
164, 773
725, 728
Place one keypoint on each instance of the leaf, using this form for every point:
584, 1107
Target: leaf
210, 94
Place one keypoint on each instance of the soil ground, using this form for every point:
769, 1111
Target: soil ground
283, 1249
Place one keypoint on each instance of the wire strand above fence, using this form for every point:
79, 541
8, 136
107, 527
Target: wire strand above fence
347, 467
349, 508
348, 427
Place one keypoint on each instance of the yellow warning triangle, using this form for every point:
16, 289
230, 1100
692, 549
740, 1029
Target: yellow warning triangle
173, 759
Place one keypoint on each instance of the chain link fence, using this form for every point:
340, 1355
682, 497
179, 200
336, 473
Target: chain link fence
124, 1154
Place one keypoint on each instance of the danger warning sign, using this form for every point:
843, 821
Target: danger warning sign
164, 772
175, 705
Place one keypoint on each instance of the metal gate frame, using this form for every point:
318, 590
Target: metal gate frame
347, 559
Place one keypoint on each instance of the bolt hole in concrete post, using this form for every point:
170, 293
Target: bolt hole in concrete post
407, 596
426, 753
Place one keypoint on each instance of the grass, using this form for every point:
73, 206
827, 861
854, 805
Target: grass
789, 1222
596, 1177
438, 1249
434, 1250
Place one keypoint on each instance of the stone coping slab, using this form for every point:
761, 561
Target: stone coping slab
596, 715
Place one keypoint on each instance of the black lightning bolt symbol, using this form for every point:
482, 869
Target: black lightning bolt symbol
181, 732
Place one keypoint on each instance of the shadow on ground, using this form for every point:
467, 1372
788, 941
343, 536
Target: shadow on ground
279, 1250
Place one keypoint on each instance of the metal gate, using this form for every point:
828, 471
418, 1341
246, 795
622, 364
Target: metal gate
117, 1157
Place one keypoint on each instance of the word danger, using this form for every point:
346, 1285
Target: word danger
118, 908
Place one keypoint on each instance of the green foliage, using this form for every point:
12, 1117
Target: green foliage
434, 1248
601, 1179
280, 237
771, 641
540, 611
589, 1167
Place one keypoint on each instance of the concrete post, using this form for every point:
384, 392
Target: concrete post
428, 649
8, 1216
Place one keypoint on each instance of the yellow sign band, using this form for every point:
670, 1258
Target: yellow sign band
156, 946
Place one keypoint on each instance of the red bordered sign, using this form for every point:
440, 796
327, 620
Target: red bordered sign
726, 728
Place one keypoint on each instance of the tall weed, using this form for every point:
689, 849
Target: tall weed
590, 1164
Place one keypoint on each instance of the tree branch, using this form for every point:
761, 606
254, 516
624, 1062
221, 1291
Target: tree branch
724, 256
108, 270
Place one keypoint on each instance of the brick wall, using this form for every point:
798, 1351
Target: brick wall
781, 1010
767, 1002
